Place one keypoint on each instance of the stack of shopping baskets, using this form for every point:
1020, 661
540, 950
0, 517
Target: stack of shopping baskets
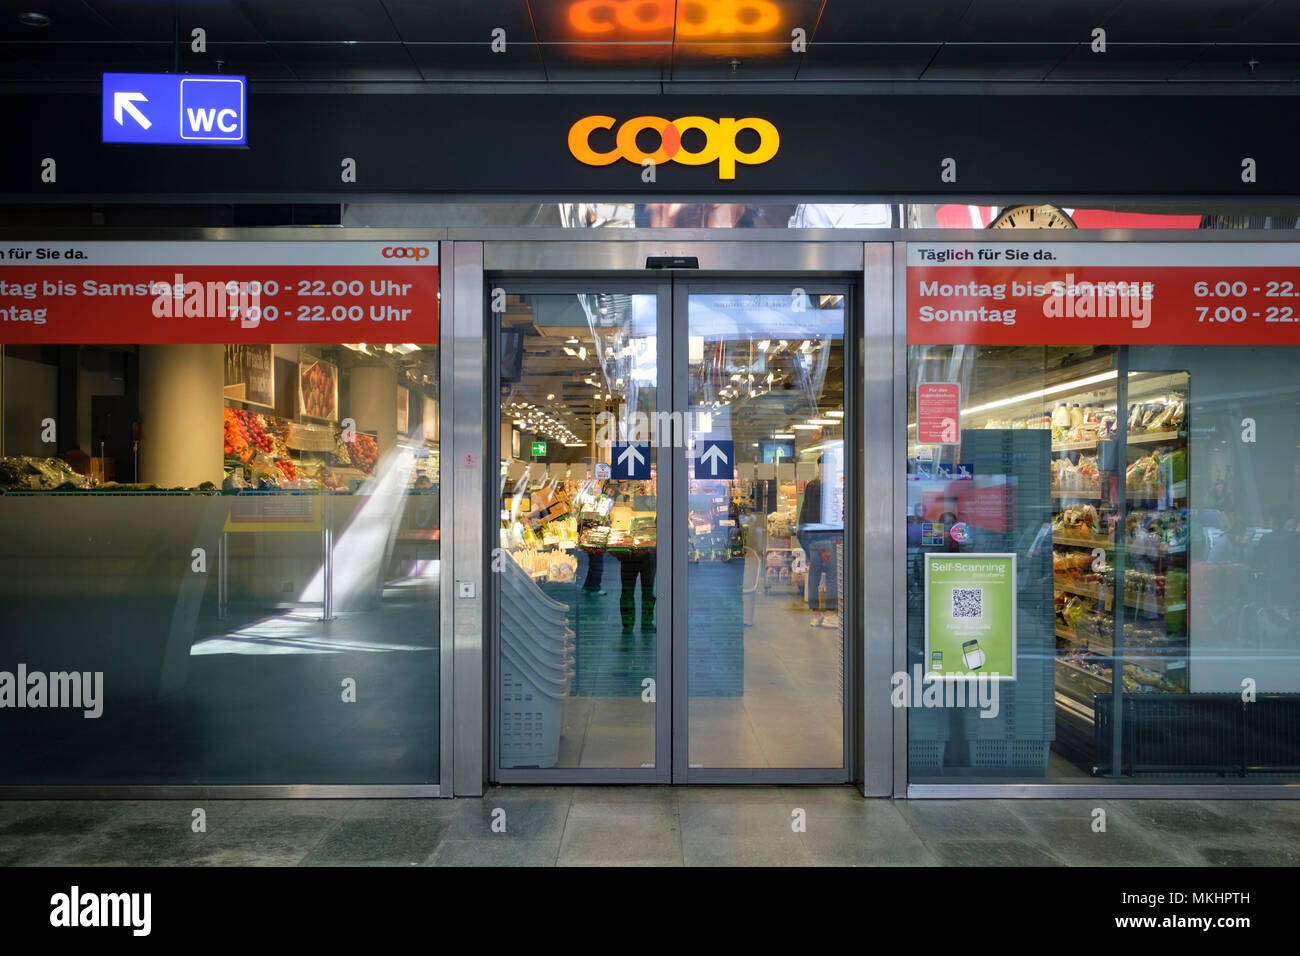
536, 668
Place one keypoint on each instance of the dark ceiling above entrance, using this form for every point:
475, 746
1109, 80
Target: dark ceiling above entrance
660, 41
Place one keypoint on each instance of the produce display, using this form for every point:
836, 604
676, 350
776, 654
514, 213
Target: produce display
363, 453
246, 434
39, 474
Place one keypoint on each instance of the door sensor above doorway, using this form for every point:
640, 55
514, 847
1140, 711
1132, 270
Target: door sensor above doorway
672, 262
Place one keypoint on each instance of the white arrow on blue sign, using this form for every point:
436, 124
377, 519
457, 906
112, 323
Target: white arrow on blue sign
174, 108
717, 459
631, 461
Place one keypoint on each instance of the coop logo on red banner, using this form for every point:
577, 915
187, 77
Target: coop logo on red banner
719, 142
405, 252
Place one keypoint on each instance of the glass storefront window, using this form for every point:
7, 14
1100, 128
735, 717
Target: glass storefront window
1101, 539
219, 562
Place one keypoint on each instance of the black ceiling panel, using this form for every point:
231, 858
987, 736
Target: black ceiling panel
754, 61
257, 61
895, 21
996, 61
1178, 21
635, 58
320, 20
1231, 63
658, 40
1128, 62
866, 61
348, 61
460, 21
473, 62
153, 19
81, 61
1278, 22
70, 20
1023, 21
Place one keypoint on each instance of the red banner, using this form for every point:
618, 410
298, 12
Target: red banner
1103, 305
220, 304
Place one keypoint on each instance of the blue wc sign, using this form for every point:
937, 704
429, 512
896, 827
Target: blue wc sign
174, 109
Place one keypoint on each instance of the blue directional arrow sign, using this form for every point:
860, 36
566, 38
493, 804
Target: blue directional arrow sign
717, 459
174, 108
631, 461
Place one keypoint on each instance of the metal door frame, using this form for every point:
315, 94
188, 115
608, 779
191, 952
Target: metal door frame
849, 609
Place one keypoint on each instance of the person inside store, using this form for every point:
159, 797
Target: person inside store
819, 544
423, 483
638, 563
595, 555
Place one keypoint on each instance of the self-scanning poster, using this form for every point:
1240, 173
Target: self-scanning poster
970, 615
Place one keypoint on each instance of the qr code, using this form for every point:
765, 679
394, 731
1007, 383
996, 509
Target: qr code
968, 602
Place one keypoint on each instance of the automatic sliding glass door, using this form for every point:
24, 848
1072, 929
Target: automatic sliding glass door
579, 648
668, 584
761, 642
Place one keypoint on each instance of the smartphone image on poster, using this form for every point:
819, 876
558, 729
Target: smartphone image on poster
973, 655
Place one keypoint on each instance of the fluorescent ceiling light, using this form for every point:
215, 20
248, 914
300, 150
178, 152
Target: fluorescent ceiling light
834, 414
783, 436
805, 427
822, 421
1050, 390
569, 351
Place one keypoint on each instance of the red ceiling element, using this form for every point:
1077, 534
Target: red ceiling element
956, 216
1104, 219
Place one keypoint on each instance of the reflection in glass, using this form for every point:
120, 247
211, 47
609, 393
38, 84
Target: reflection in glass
1166, 518
232, 558
765, 545
578, 550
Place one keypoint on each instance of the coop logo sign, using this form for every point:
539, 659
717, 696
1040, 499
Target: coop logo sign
719, 142
696, 19
405, 252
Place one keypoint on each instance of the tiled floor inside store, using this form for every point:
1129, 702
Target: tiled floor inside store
669, 826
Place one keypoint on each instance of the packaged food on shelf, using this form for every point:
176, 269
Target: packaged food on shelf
1149, 531
1144, 478
1139, 679
1077, 521
1071, 561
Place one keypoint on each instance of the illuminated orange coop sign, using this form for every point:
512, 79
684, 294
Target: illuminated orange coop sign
719, 142
686, 19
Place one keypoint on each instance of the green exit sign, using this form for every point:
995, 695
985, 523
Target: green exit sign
539, 448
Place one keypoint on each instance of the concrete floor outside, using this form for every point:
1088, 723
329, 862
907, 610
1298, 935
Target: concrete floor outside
636, 826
